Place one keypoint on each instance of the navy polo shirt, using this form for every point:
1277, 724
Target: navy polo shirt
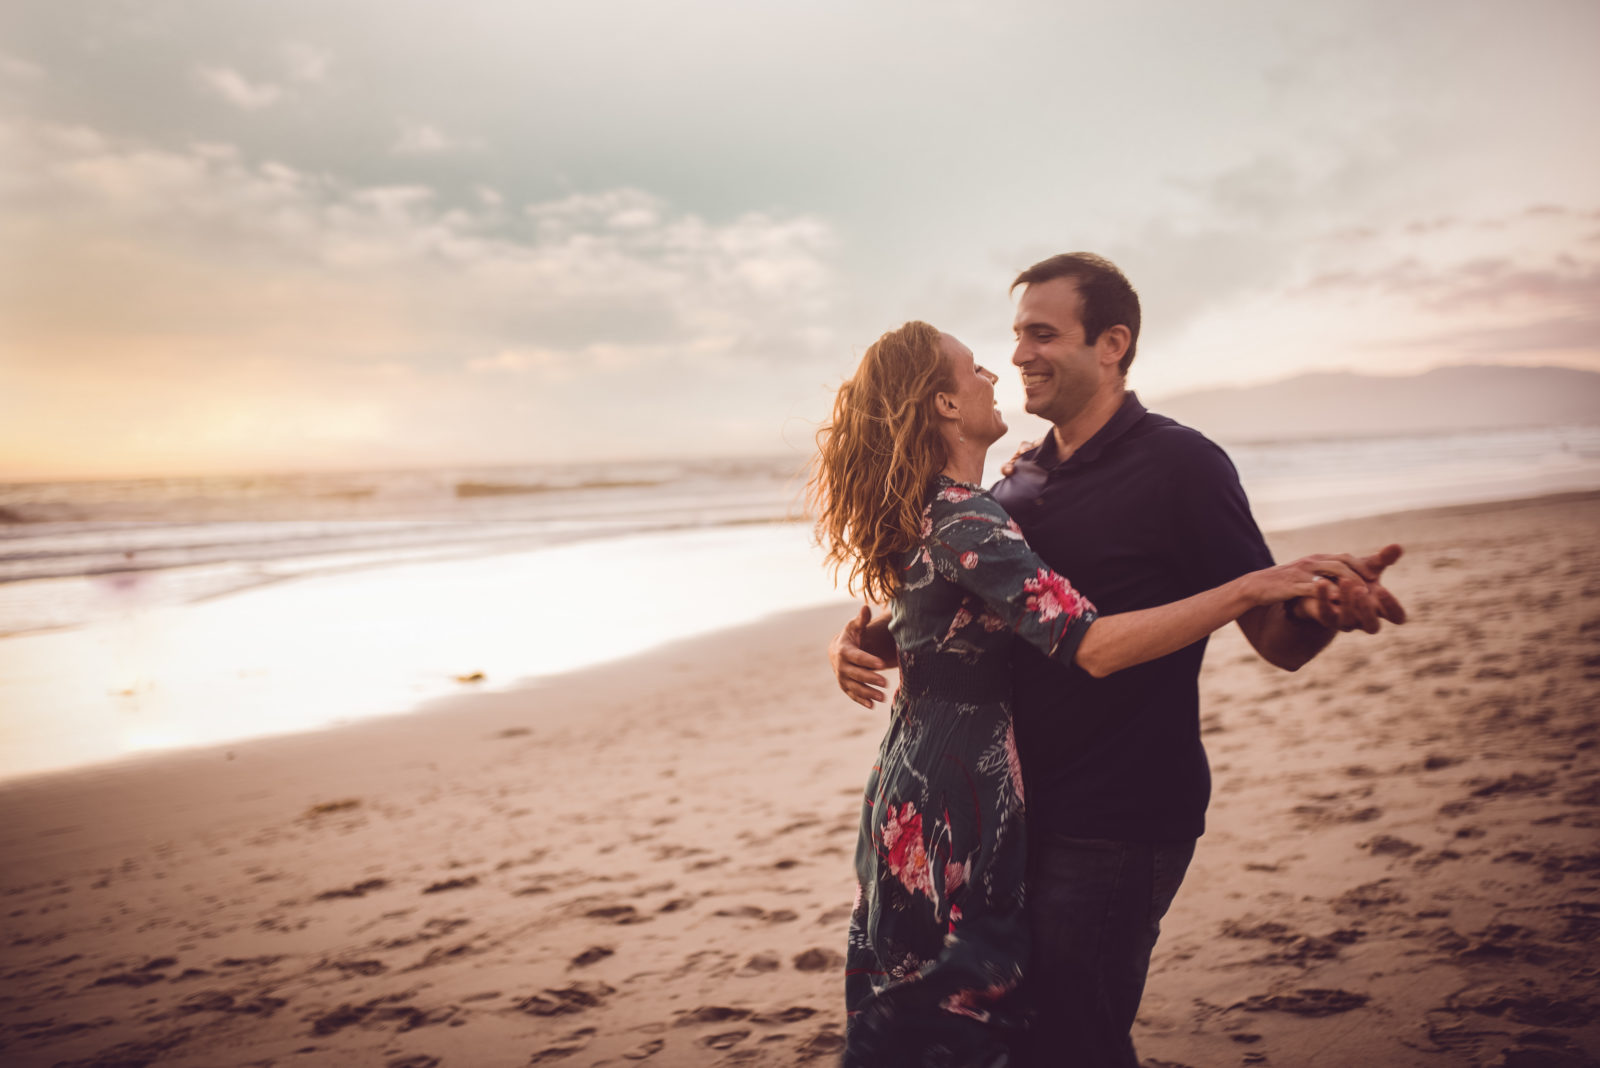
1145, 512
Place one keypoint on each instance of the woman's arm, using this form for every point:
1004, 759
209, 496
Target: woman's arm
1119, 641
975, 544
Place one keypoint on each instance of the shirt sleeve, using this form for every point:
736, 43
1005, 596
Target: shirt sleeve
976, 545
1215, 537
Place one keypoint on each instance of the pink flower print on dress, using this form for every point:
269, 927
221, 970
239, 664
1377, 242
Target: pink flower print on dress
955, 494
991, 622
907, 856
927, 523
1013, 761
1052, 596
961, 619
955, 918
972, 1002
955, 877
969, 559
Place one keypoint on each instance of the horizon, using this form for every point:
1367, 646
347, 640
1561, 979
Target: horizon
1017, 419
266, 238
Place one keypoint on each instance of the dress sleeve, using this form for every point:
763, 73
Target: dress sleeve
973, 543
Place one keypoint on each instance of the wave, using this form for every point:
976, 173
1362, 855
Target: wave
507, 489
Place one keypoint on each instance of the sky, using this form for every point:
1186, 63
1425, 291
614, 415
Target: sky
242, 236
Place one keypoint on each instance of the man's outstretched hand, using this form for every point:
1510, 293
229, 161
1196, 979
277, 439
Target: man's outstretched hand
1336, 608
855, 669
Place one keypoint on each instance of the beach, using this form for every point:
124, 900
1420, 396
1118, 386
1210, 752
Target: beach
649, 860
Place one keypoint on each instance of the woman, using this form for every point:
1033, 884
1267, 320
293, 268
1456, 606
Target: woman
938, 936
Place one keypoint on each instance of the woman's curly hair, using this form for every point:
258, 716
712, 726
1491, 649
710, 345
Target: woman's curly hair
876, 457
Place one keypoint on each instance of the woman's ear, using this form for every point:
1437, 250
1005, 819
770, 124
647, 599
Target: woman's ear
945, 405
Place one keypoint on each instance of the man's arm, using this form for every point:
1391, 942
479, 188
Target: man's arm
858, 652
1291, 634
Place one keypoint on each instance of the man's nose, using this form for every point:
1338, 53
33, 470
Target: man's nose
1018, 356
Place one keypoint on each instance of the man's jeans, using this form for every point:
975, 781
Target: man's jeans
1095, 910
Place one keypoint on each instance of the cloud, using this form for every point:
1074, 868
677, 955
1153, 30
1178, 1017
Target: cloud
238, 90
612, 267
1478, 284
426, 139
15, 68
168, 269
306, 63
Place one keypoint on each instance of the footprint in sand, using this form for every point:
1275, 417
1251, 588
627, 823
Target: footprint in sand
649, 1049
220, 1001
708, 1014
1328, 815
835, 916
818, 960
361, 967
444, 954
760, 964
755, 912
143, 975
361, 889
575, 997
1368, 896
793, 1014
822, 1044
1386, 845
380, 1012
592, 955
416, 1060
618, 914
451, 884
726, 1040
1515, 783
566, 1047
1530, 1008
1307, 1002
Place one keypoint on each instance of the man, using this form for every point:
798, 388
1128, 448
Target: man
1136, 511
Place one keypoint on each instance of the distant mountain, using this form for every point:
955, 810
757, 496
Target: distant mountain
1356, 405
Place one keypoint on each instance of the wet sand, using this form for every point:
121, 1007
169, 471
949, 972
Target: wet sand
650, 861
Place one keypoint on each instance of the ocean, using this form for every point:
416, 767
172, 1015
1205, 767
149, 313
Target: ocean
160, 613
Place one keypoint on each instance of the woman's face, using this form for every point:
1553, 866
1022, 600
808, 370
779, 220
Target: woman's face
973, 393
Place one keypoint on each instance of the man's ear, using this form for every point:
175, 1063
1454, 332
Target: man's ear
1113, 343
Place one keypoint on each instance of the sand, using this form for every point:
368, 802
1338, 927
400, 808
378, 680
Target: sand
649, 862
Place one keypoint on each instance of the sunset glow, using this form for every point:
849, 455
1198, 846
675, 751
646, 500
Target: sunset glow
273, 237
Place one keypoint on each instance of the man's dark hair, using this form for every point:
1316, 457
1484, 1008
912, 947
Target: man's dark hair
1108, 299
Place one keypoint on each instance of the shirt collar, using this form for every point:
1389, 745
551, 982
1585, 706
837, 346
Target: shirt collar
1120, 423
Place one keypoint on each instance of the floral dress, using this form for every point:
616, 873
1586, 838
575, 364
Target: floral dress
939, 933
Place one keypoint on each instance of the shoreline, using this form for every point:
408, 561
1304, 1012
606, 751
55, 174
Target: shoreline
1346, 533
652, 862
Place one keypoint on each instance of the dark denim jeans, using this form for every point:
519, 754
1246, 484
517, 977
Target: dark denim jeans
1095, 909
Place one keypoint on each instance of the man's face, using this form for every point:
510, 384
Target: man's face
1060, 374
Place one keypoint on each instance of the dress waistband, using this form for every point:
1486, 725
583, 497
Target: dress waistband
951, 679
